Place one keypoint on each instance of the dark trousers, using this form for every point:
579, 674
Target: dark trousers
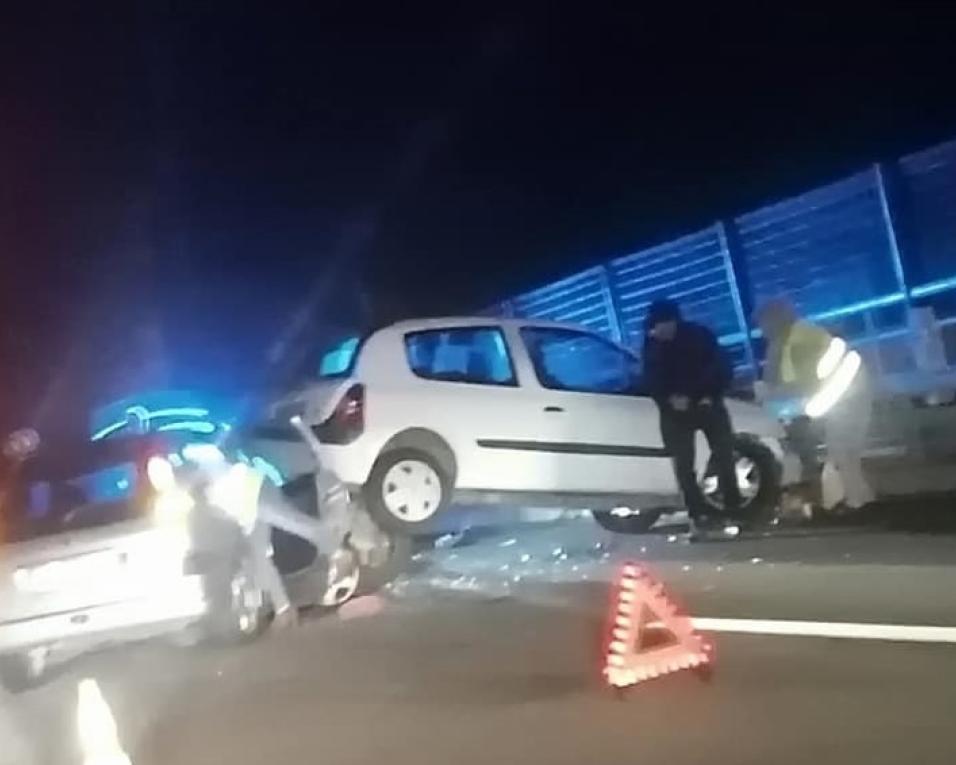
678, 430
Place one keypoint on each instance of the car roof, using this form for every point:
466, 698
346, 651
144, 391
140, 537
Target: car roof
444, 322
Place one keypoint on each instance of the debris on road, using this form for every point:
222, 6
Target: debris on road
367, 605
448, 540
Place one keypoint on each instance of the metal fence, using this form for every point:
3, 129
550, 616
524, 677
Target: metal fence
854, 255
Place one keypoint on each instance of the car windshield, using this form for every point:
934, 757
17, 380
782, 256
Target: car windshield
83, 486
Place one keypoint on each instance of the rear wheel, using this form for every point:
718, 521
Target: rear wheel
758, 479
405, 490
624, 520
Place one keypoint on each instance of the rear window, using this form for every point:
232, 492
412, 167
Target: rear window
339, 360
41, 508
476, 355
74, 489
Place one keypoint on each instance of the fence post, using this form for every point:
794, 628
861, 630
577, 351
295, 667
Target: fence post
732, 266
891, 235
611, 304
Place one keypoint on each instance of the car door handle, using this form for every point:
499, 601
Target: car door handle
554, 409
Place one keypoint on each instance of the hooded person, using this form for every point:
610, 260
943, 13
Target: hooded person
688, 375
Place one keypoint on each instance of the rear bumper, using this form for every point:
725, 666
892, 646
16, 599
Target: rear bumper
154, 614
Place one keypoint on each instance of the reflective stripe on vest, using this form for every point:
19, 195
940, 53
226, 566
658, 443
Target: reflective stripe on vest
836, 370
822, 365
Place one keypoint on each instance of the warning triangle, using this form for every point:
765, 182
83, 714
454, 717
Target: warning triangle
646, 635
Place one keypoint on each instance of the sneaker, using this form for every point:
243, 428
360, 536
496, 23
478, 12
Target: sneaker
731, 530
704, 529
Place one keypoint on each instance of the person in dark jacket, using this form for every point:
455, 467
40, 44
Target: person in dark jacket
688, 374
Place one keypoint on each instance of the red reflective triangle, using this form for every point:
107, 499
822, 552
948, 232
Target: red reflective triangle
646, 635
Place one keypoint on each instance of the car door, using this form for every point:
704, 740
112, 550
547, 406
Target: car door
460, 383
599, 433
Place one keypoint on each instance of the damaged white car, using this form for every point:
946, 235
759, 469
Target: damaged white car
423, 413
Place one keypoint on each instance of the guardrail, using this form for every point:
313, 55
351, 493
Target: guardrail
856, 255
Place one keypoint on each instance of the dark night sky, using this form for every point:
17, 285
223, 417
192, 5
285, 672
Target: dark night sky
217, 167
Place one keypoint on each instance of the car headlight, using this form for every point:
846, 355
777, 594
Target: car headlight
172, 506
161, 475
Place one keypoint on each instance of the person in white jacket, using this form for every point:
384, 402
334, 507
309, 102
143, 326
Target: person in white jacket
244, 494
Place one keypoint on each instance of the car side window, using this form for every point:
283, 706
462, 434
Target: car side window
565, 359
477, 355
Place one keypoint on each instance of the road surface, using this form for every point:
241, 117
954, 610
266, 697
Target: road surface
488, 653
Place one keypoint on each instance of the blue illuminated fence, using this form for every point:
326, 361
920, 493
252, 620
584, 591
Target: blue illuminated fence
854, 255
582, 299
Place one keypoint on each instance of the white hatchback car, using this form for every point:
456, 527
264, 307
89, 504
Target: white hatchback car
505, 411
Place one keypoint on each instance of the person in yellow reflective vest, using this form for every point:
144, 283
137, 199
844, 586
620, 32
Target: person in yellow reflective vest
807, 364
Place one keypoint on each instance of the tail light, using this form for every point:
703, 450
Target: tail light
160, 472
347, 422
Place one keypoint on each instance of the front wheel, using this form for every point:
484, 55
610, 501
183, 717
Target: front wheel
758, 479
405, 490
622, 520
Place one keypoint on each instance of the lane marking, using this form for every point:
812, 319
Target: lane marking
848, 630
96, 725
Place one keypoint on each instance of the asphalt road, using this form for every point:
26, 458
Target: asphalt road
488, 653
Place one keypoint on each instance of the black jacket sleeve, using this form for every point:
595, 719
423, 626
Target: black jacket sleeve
654, 382
715, 374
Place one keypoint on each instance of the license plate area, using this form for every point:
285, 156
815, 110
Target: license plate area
76, 573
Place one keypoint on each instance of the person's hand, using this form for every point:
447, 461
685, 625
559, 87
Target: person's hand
679, 403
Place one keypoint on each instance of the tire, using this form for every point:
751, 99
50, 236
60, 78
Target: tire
380, 572
759, 503
635, 523
21, 672
421, 476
